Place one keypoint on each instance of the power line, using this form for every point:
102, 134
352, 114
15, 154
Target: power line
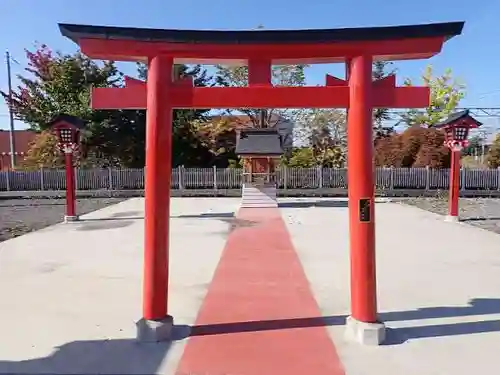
475, 111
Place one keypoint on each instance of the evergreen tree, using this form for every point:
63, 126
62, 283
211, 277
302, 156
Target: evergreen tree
282, 75
381, 69
187, 150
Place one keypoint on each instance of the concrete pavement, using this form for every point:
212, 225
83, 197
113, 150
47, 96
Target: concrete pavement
70, 293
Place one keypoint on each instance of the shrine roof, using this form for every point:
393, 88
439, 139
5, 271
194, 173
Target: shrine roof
446, 30
456, 117
67, 119
265, 142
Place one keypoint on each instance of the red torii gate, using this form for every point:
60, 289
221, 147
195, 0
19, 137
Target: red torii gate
260, 49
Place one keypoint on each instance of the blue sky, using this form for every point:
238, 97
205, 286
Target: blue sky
474, 56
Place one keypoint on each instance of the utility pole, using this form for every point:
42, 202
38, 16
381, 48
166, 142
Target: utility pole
484, 137
11, 114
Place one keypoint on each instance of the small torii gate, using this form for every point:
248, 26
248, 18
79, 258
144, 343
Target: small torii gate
260, 49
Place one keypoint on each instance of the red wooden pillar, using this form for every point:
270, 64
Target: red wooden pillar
361, 191
454, 185
157, 187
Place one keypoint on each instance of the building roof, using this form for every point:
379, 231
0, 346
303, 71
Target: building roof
458, 116
265, 142
68, 119
22, 140
446, 30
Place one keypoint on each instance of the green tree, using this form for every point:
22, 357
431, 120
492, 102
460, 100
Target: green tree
446, 93
308, 157
188, 148
474, 147
219, 134
324, 130
282, 75
493, 158
55, 83
380, 70
43, 152
301, 157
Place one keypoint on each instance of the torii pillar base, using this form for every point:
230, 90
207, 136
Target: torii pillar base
364, 333
155, 330
71, 219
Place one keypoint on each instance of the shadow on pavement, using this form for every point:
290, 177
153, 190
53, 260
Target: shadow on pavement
479, 306
129, 357
207, 215
319, 203
116, 220
111, 219
117, 216
99, 224
479, 219
31, 204
228, 218
94, 357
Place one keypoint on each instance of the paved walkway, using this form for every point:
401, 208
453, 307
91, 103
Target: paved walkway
256, 295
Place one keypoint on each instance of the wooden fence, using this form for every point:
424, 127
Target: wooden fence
231, 178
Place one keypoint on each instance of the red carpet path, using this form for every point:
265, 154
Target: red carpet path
242, 326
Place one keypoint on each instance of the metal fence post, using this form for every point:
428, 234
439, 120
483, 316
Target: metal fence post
320, 177
215, 177
75, 171
427, 178
463, 177
498, 178
110, 178
285, 177
180, 173
391, 178
7, 179
42, 180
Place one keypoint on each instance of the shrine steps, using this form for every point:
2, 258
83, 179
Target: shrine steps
259, 196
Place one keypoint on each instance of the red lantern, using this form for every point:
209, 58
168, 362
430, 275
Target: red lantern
68, 131
456, 129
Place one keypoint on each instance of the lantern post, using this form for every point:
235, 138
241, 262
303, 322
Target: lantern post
456, 129
67, 129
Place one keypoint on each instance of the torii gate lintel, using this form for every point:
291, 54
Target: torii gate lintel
335, 94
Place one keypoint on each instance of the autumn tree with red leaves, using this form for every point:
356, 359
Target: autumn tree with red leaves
57, 83
416, 147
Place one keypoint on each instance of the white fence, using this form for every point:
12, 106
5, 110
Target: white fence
230, 178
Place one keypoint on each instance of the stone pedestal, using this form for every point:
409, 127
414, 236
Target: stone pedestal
364, 333
70, 219
451, 219
155, 330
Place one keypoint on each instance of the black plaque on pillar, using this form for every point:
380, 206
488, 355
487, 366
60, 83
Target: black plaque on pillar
365, 210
